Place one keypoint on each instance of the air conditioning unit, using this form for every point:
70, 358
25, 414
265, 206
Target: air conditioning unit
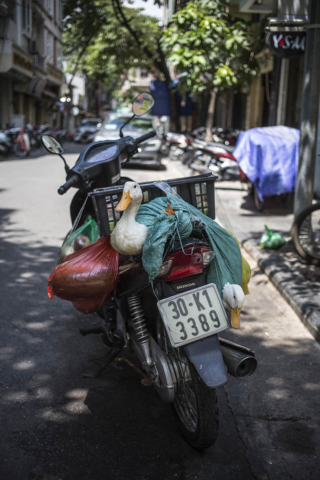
258, 6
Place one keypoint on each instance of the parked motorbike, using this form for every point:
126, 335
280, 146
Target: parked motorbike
186, 373
87, 130
22, 144
5, 144
204, 157
228, 136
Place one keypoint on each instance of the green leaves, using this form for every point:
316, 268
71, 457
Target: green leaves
213, 51
100, 46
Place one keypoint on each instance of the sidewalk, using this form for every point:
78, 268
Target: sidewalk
298, 282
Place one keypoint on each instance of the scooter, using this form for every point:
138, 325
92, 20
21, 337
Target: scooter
22, 144
172, 324
5, 144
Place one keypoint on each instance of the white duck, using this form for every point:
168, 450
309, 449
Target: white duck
233, 299
128, 235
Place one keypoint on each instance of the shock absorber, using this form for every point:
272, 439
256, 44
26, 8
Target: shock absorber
139, 326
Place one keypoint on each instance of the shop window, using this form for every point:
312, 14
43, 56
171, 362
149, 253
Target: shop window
144, 73
26, 15
48, 5
59, 12
59, 55
13, 13
49, 47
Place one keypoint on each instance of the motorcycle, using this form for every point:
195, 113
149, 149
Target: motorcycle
228, 136
5, 144
22, 144
209, 157
205, 157
140, 316
87, 131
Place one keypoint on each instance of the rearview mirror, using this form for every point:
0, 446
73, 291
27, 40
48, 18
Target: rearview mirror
51, 145
142, 104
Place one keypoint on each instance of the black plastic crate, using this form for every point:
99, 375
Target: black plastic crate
198, 191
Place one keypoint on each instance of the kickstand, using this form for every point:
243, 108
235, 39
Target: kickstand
102, 363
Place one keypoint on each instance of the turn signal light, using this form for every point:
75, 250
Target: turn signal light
207, 257
165, 267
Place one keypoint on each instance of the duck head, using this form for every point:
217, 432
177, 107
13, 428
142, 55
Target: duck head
233, 298
131, 193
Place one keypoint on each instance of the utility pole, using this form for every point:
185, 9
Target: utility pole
309, 112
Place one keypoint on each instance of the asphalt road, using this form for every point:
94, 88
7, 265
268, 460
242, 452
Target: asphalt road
57, 425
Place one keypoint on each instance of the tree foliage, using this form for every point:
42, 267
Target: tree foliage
104, 39
212, 50
98, 45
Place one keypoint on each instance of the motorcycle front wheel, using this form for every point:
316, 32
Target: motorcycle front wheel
195, 405
19, 151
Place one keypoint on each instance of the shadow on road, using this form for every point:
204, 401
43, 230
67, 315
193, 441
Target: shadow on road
57, 424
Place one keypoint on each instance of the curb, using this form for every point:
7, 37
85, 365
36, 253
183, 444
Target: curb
301, 296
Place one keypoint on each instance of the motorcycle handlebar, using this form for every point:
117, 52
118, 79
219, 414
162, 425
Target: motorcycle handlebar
72, 181
146, 137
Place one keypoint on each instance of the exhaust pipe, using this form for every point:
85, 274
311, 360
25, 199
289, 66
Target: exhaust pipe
240, 361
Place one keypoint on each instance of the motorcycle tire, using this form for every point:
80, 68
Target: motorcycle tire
4, 151
202, 433
35, 143
188, 157
19, 152
301, 232
175, 153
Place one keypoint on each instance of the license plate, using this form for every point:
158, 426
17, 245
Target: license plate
193, 315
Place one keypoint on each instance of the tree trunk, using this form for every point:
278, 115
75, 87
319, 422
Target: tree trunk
210, 116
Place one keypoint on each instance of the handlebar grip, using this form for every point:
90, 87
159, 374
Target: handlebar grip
146, 137
72, 181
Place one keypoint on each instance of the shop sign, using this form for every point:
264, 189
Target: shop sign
286, 44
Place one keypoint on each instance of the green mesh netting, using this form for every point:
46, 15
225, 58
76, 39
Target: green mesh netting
227, 265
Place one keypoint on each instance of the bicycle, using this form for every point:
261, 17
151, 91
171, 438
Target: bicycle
305, 234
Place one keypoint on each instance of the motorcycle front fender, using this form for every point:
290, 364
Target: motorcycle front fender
206, 357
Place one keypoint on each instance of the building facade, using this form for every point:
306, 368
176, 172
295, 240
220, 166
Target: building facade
30, 62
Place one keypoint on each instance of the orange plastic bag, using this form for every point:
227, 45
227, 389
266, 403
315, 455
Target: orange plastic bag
87, 277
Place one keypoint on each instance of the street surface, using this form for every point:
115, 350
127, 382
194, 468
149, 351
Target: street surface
57, 425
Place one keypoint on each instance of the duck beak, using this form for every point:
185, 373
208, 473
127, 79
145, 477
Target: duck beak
235, 317
124, 202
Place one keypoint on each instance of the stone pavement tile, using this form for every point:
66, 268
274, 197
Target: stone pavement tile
281, 398
297, 282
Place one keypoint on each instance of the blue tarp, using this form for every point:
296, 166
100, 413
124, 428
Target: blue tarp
269, 158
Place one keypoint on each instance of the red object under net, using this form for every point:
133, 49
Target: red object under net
87, 277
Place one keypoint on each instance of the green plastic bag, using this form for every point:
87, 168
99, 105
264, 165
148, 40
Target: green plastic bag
271, 239
80, 238
227, 266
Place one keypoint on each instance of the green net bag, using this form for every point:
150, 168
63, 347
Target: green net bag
85, 235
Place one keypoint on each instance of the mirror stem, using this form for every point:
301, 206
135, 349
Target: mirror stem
126, 123
66, 166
